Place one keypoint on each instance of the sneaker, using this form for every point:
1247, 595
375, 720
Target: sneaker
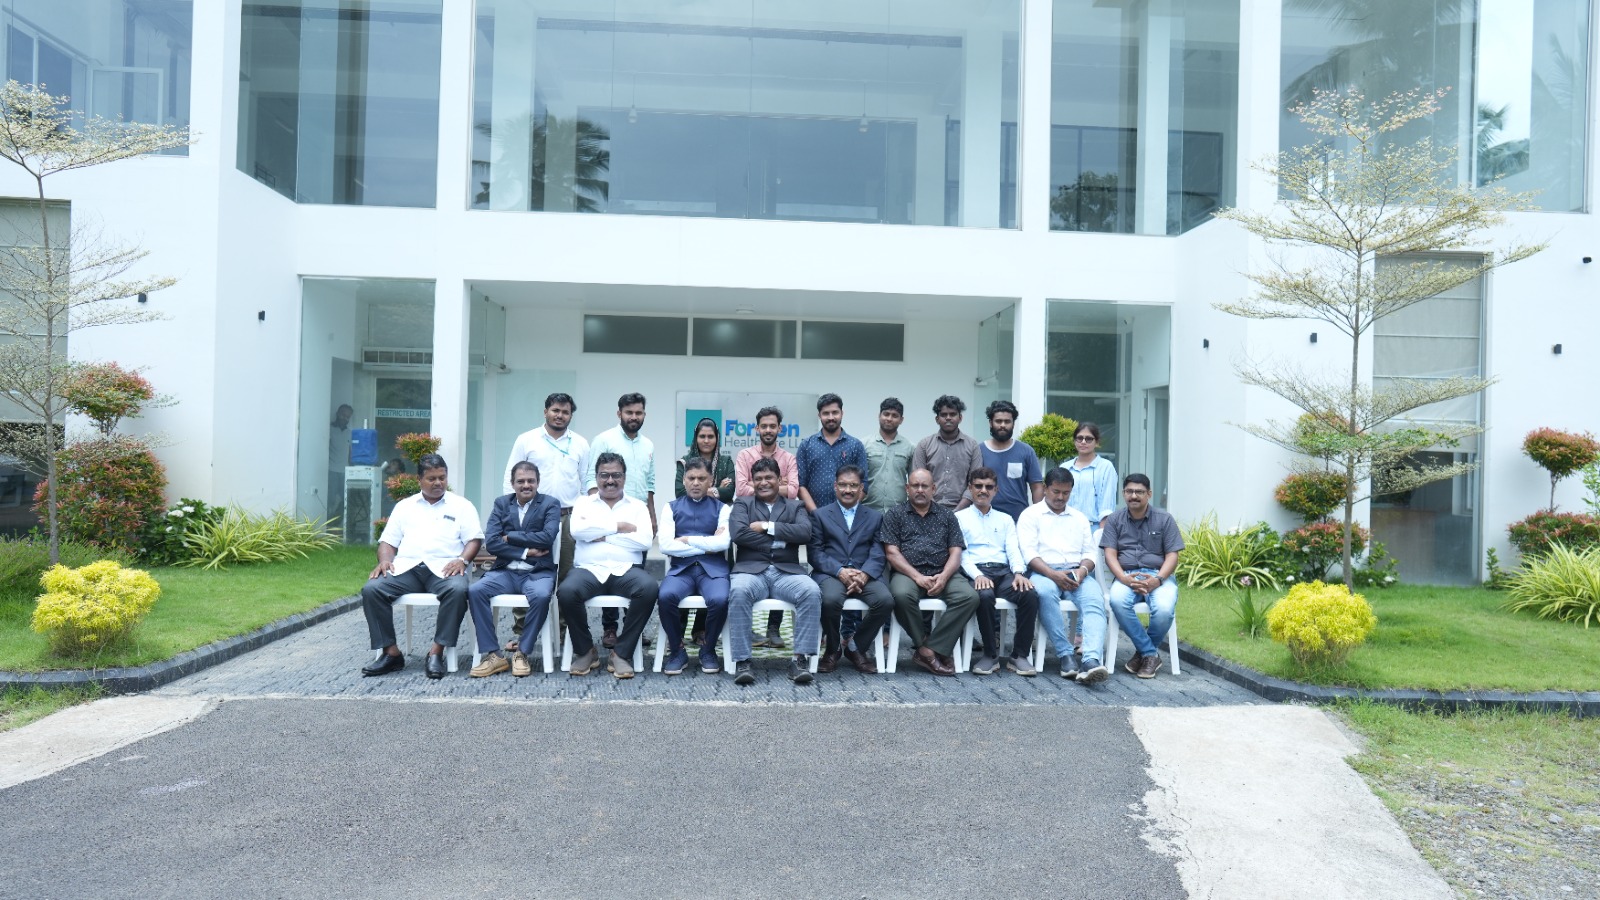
1069, 666
520, 667
1149, 666
583, 664
609, 639
775, 640
1133, 663
743, 673
619, 667
710, 662
1022, 665
985, 665
800, 670
677, 661
1093, 672
493, 664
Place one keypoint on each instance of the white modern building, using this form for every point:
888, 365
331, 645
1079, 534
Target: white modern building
438, 211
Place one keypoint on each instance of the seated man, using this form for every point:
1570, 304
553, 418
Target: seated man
1058, 542
1142, 544
768, 529
847, 562
995, 563
611, 532
425, 549
694, 534
523, 527
922, 543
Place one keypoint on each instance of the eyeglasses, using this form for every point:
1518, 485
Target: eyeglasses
1135, 492
610, 476
1082, 438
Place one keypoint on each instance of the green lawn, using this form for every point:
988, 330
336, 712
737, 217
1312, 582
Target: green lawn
196, 608
19, 707
1427, 637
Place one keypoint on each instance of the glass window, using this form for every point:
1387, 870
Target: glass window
756, 338
840, 112
1142, 95
664, 335
117, 59
1517, 73
853, 340
366, 377
339, 100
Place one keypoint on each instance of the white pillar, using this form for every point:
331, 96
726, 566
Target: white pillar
455, 117
318, 92
1028, 355
451, 308
980, 127
1155, 90
511, 103
1033, 170
930, 169
1260, 99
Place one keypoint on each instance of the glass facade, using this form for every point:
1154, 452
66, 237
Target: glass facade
1142, 95
117, 59
366, 377
1517, 73
888, 111
339, 100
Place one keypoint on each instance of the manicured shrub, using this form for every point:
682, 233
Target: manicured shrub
106, 393
1212, 557
24, 559
92, 607
1535, 535
378, 525
1560, 453
416, 445
1051, 438
1563, 584
108, 492
240, 537
1319, 546
1312, 495
403, 486
1321, 623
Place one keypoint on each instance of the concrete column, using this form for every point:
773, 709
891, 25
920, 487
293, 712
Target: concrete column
318, 91
930, 169
1029, 358
451, 331
1155, 98
510, 103
1033, 171
1260, 72
455, 118
980, 127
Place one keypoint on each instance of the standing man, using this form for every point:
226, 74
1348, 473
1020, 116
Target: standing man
948, 454
1058, 543
994, 562
1021, 483
922, 543
888, 458
847, 562
338, 458
1142, 544
694, 535
822, 454
612, 534
523, 528
639, 456
562, 456
430, 540
769, 424
769, 531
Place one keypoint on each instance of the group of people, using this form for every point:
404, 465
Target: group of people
883, 521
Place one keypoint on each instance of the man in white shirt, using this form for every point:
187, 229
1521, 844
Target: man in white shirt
613, 532
994, 563
562, 456
1058, 542
430, 540
639, 456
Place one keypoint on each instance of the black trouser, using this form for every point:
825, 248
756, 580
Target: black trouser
581, 585
379, 594
989, 619
880, 608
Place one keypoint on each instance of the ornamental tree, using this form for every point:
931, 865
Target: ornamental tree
1561, 453
1347, 206
54, 279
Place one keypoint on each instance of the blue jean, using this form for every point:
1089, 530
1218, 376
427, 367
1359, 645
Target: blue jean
745, 590
1091, 615
1163, 603
691, 582
536, 586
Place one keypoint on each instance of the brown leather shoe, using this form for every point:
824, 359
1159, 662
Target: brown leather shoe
861, 661
609, 639
828, 662
1149, 666
932, 662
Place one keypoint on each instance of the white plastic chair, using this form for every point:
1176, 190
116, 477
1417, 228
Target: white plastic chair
546, 641
854, 605
1001, 606
1070, 608
603, 601
695, 602
411, 602
961, 654
1113, 633
756, 608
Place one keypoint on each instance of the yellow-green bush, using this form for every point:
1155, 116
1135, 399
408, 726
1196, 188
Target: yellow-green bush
85, 609
1321, 623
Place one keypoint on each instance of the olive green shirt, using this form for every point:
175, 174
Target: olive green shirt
887, 467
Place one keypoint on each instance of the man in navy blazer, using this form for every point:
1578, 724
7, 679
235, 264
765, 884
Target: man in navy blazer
847, 563
523, 527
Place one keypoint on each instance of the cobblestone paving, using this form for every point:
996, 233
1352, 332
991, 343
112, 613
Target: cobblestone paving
324, 662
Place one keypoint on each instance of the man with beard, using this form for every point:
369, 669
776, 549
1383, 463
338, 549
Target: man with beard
1021, 482
639, 455
769, 424
562, 456
822, 455
949, 454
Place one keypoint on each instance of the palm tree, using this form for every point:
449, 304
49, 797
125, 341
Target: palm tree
591, 162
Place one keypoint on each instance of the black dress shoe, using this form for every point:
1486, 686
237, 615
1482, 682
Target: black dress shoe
800, 670
743, 673
434, 666
384, 665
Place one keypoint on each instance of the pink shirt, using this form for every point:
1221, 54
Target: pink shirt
786, 470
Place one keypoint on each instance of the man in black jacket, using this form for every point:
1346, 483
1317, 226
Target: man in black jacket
769, 529
523, 528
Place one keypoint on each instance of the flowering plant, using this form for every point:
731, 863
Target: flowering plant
1560, 453
1251, 616
108, 491
416, 445
1535, 535
162, 543
403, 486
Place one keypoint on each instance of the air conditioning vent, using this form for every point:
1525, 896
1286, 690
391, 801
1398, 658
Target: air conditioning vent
396, 358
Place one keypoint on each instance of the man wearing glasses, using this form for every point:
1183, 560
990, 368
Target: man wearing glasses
1141, 545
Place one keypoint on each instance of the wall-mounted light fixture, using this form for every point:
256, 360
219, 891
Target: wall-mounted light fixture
1588, 259
1556, 349
261, 316
143, 297
1313, 337
1205, 343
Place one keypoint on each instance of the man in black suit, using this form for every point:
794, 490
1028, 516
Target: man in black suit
847, 563
769, 529
523, 527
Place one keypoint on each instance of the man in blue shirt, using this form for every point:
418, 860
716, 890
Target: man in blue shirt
1021, 482
821, 455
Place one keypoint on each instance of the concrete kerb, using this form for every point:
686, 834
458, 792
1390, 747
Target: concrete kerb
145, 678
1281, 690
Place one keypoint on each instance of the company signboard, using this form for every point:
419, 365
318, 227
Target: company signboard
735, 415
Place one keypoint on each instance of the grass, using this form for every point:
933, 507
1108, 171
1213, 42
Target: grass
1437, 638
196, 608
19, 707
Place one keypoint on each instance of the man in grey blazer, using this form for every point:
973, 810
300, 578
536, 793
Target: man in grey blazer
847, 563
769, 529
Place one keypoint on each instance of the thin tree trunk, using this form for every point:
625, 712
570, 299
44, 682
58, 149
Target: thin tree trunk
52, 520
1351, 429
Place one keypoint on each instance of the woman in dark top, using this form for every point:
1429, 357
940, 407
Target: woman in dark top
708, 446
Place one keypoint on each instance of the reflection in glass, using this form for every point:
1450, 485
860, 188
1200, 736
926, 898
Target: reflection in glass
339, 100
886, 111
